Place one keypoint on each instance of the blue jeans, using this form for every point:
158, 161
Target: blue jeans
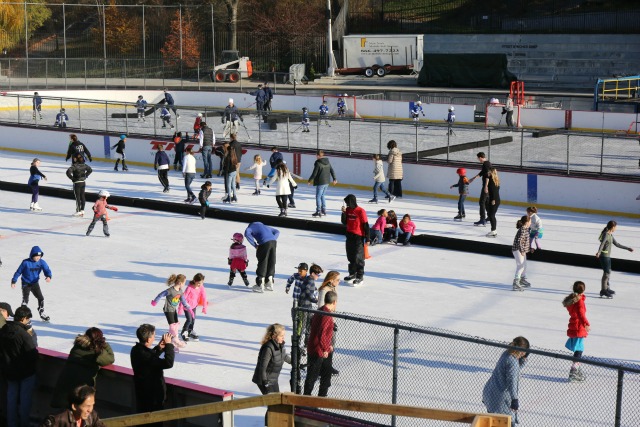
379, 185
206, 159
188, 179
376, 236
231, 185
321, 205
19, 394
461, 204
403, 237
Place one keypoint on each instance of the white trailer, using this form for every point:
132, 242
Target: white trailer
377, 54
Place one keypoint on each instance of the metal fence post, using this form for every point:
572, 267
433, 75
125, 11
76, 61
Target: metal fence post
619, 398
126, 118
380, 138
521, 146
295, 359
85, 74
46, 73
288, 142
489, 146
80, 114
602, 154
394, 389
19, 109
568, 163
349, 136
448, 142
259, 131
106, 115
417, 151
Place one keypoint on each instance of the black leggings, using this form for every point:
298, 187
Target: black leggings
162, 176
282, 201
78, 192
34, 289
491, 213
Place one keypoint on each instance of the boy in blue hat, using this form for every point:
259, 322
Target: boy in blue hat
30, 269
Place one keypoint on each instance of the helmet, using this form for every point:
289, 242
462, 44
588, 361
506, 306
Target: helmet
103, 193
461, 171
62, 110
419, 102
139, 96
346, 94
230, 100
451, 108
237, 237
35, 93
123, 136
304, 109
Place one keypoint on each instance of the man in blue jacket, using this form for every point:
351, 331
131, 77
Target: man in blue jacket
168, 100
30, 269
264, 239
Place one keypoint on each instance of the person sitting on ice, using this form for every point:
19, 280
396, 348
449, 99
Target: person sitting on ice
61, 119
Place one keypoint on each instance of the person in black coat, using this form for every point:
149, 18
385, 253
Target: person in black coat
493, 201
78, 174
148, 368
272, 356
75, 148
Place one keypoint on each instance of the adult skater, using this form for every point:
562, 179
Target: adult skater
321, 177
35, 175
179, 150
493, 201
509, 109
30, 269
607, 242
484, 193
268, 96
264, 239
161, 164
189, 173
207, 140
78, 174
230, 119
355, 218
169, 102
261, 97
500, 394
77, 147
37, 105
320, 348
235, 145
395, 172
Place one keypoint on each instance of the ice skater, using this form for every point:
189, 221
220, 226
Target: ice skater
196, 296
451, 119
578, 328
161, 164
378, 179
536, 227
179, 150
141, 106
165, 116
357, 233
29, 270
264, 239
493, 201
307, 298
324, 113
78, 174
189, 173
34, 183
415, 112
379, 227
306, 121
203, 198
519, 249
256, 167
283, 189
484, 192
61, 119
463, 191
120, 147
238, 260
342, 107
406, 229
276, 157
174, 297
169, 102
231, 119
37, 105
76, 147
607, 242
100, 213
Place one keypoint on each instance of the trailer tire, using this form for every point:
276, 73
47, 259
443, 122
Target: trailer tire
368, 72
234, 77
380, 72
220, 76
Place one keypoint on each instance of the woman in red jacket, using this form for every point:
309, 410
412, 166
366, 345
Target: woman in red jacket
578, 328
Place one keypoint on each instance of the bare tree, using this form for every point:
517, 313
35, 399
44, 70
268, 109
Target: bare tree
232, 22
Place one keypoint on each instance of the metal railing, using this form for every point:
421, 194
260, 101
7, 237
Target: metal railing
394, 362
558, 151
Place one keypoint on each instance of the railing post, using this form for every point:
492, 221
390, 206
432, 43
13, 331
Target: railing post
568, 162
126, 119
619, 398
79, 113
394, 389
259, 131
349, 135
417, 151
318, 134
521, 147
295, 356
448, 141
380, 138
85, 74
18, 109
106, 116
602, 154
288, 142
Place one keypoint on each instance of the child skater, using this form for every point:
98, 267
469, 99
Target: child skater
463, 190
100, 212
283, 190
406, 229
324, 111
536, 227
342, 107
238, 260
607, 242
30, 269
174, 297
379, 227
141, 105
379, 179
390, 234
305, 120
520, 248
34, 181
256, 167
276, 157
119, 146
196, 295
166, 117
203, 198
179, 149
578, 328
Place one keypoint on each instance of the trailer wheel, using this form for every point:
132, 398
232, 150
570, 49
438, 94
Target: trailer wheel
387, 68
368, 72
234, 77
221, 76
380, 72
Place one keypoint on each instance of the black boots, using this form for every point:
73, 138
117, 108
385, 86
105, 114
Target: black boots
115, 168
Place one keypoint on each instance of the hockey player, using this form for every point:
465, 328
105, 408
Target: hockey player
169, 102
37, 105
61, 119
119, 146
416, 111
324, 111
166, 117
141, 105
451, 119
342, 107
268, 96
30, 269
305, 120
230, 119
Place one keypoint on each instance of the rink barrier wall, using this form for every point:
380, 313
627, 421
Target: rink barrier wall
441, 242
116, 392
614, 198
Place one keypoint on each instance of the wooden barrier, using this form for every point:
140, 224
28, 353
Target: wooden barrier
281, 409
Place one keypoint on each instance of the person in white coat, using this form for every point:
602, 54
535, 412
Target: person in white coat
189, 173
282, 178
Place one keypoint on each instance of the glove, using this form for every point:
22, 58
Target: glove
114, 208
155, 168
206, 204
295, 188
154, 303
514, 404
286, 290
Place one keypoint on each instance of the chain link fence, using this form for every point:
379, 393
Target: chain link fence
390, 362
558, 151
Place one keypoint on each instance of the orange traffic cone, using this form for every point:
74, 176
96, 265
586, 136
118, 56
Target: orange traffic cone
366, 251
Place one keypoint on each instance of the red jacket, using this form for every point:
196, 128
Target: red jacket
356, 220
320, 334
578, 321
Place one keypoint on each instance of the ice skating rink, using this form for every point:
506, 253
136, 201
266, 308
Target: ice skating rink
109, 283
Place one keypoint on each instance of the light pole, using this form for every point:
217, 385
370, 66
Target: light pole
330, 69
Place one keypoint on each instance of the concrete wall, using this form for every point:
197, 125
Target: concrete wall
571, 193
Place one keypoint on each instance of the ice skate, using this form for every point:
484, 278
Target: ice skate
255, 193
291, 205
232, 276
481, 223
178, 343
31, 206
374, 200
391, 198
357, 281
517, 286
492, 233
457, 217
234, 199
349, 278
606, 294
524, 282
259, 285
185, 336
245, 279
576, 376
323, 212
317, 214
281, 212
193, 336
79, 213
269, 284
36, 207
43, 315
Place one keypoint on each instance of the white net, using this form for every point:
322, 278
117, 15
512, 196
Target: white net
350, 107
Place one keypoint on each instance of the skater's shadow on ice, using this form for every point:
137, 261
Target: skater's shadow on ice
545, 378
119, 337
200, 359
40, 231
23, 210
129, 276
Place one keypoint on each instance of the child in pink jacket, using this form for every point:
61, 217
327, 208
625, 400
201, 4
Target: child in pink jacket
379, 227
406, 229
100, 213
196, 295
238, 260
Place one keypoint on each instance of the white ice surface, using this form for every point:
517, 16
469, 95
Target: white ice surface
109, 283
